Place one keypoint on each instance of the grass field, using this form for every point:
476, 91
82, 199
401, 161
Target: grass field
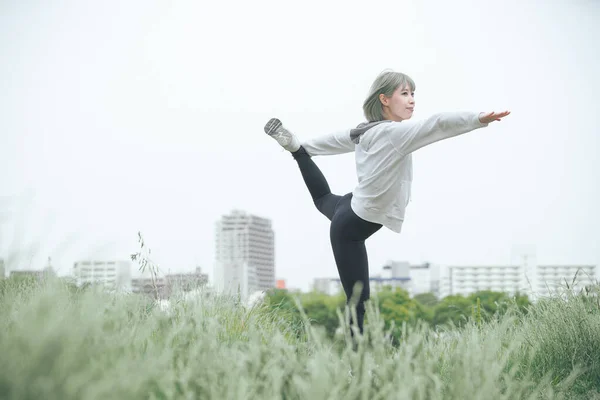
60, 343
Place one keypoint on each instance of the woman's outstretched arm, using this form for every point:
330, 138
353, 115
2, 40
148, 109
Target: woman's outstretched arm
335, 143
408, 136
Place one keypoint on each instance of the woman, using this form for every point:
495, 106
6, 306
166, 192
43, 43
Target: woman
383, 148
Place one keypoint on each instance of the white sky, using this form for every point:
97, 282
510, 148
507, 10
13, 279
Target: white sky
126, 116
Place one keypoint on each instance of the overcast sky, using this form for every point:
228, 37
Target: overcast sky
119, 117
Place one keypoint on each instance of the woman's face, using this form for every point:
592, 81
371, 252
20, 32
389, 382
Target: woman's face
400, 105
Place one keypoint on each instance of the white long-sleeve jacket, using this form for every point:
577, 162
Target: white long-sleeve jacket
383, 157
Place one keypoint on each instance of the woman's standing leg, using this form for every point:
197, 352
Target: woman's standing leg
348, 234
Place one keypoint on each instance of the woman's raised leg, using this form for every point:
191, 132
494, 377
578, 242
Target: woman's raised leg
314, 179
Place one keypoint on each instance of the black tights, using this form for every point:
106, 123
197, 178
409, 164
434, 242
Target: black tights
347, 232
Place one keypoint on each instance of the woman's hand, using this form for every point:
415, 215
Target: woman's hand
486, 118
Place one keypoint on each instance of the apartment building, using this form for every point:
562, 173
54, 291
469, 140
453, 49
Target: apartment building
245, 254
114, 275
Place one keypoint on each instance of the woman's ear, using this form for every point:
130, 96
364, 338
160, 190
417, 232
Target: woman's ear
383, 99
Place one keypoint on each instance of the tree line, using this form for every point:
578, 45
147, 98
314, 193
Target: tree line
396, 306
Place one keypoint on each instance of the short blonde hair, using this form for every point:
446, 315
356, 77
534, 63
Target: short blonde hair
386, 83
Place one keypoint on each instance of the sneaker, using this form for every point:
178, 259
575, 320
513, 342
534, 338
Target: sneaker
285, 138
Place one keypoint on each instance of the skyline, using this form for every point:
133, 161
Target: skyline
155, 125
517, 252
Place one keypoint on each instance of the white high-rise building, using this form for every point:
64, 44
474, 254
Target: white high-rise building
245, 254
2, 269
114, 275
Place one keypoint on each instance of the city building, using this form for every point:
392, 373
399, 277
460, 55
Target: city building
524, 275
164, 287
2, 268
280, 284
153, 287
425, 278
415, 279
465, 280
186, 281
38, 274
324, 285
552, 277
113, 275
245, 254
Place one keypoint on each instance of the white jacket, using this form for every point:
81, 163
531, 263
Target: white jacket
384, 160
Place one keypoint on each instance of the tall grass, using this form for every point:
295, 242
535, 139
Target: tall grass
60, 343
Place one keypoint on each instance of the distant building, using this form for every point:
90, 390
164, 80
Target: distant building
333, 286
280, 284
186, 281
113, 275
153, 287
525, 276
414, 278
164, 287
39, 274
2, 269
323, 285
551, 277
460, 279
245, 254
425, 278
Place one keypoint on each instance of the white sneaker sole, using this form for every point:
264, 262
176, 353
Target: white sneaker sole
272, 126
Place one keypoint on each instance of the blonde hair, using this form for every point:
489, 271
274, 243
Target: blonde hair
386, 83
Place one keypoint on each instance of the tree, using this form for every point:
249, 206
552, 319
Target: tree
397, 306
454, 308
426, 299
321, 310
490, 301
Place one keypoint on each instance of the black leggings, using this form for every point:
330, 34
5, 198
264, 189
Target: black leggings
347, 232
